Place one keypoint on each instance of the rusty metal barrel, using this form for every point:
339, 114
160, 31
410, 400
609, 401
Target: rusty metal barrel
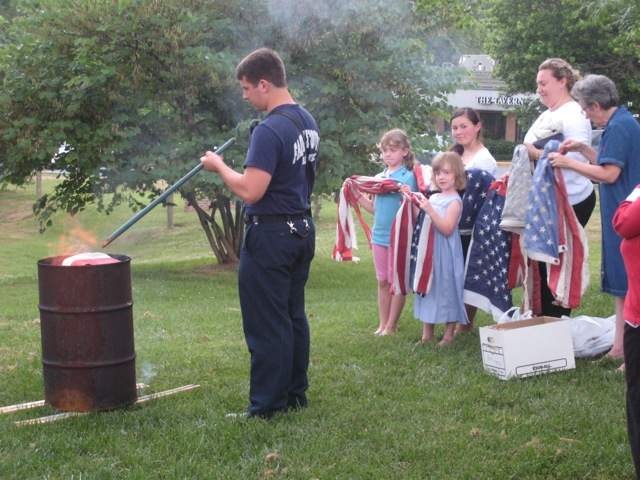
86, 324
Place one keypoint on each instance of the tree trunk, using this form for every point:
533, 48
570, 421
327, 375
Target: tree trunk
38, 185
316, 205
222, 225
170, 206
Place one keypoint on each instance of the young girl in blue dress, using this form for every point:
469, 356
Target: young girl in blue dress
395, 151
443, 303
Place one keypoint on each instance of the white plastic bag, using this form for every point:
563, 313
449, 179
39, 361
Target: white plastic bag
591, 335
514, 314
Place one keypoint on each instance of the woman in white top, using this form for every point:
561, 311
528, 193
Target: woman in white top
466, 129
555, 79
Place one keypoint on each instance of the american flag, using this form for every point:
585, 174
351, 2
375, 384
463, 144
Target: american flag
421, 266
489, 260
423, 174
553, 234
401, 229
404, 238
478, 182
346, 239
520, 178
541, 236
400, 248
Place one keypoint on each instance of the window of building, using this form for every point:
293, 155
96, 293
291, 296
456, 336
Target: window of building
494, 124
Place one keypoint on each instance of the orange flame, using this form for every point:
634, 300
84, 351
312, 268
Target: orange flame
75, 240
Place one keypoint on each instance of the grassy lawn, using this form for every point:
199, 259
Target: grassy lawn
379, 407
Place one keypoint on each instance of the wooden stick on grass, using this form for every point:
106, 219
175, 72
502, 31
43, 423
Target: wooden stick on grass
41, 403
22, 406
143, 399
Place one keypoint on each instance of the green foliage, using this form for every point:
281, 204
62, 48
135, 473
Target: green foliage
595, 37
456, 26
131, 86
140, 89
362, 68
500, 149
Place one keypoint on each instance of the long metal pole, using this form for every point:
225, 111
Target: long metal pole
162, 197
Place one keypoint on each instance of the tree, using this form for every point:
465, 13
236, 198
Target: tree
140, 88
456, 26
596, 37
136, 88
362, 67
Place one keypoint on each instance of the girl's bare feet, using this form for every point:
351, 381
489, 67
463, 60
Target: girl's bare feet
427, 333
445, 341
460, 328
378, 332
388, 331
448, 334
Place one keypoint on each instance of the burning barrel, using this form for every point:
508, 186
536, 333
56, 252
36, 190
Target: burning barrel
86, 325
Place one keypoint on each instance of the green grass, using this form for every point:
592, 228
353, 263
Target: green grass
379, 407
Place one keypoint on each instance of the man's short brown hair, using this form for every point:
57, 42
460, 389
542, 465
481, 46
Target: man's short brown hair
262, 64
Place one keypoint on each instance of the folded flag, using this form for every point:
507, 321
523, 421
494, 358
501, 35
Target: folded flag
401, 228
475, 193
541, 236
515, 204
553, 234
350, 192
487, 272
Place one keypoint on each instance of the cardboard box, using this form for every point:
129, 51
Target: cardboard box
527, 347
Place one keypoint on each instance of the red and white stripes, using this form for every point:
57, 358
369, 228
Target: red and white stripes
401, 229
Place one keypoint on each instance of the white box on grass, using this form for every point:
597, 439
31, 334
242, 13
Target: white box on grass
527, 347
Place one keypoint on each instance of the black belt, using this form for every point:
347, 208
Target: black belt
275, 218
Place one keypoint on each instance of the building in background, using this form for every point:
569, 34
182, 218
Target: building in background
486, 95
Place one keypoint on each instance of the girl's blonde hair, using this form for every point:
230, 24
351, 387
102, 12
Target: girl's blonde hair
454, 161
398, 138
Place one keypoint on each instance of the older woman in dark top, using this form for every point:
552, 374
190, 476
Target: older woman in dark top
617, 167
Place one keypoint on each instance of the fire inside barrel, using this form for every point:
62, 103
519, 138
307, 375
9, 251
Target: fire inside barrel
88, 258
86, 325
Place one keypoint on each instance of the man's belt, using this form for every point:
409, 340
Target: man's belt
275, 218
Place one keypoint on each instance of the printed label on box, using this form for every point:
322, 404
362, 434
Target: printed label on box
493, 356
541, 367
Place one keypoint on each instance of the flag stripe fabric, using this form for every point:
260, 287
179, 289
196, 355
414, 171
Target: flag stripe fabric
346, 240
422, 255
400, 248
401, 229
554, 235
541, 236
568, 280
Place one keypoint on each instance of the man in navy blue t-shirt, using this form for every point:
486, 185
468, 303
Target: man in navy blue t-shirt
279, 241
